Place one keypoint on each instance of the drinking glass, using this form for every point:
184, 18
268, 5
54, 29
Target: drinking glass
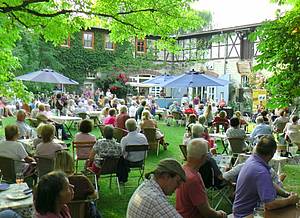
259, 211
19, 178
59, 134
1, 176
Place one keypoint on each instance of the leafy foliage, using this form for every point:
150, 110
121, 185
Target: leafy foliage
280, 54
54, 20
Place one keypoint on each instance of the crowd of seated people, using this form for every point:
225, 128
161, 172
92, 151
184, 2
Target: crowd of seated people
202, 119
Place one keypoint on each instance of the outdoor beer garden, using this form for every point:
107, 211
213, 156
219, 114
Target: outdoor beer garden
149, 109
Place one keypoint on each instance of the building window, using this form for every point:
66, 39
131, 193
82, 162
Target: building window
244, 81
66, 43
109, 45
88, 40
140, 45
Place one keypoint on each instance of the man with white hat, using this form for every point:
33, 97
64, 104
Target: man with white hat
149, 200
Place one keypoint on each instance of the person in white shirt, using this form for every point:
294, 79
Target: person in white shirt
15, 150
25, 131
132, 158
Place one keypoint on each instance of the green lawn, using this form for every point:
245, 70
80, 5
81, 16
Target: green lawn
111, 204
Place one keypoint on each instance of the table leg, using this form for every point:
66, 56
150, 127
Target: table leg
68, 127
225, 146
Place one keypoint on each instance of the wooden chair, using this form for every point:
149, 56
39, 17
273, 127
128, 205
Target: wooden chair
119, 133
85, 147
109, 166
183, 151
78, 207
150, 134
141, 166
44, 165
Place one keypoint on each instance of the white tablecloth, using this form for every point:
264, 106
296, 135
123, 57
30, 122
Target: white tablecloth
274, 163
23, 207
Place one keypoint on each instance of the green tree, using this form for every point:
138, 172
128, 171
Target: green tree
53, 20
280, 54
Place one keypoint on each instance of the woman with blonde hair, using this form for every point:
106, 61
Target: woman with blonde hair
148, 122
38, 138
83, 188
48, 147
208, 115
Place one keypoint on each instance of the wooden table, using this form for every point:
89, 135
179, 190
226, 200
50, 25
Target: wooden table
286, 212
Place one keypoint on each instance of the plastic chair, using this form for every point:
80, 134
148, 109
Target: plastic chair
150, 134
141, 166
84, 146
119, 133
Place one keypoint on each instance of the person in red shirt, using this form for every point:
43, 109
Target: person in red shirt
190, 110
122, 117
191, 197
221, 120
111, 119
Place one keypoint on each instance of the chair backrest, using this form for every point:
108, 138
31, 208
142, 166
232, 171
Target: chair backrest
236, 145
132, 148
78, 208
183, 151
7, 166
44, 165
150, 134
119, 133
109, 165
82, 149
137, 148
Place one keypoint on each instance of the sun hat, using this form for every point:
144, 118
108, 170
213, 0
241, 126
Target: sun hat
170, 165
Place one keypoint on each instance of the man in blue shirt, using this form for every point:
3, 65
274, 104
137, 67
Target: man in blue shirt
254, 184
260, 129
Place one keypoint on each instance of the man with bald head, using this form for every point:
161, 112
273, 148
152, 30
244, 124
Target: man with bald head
24, 129
191, 197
